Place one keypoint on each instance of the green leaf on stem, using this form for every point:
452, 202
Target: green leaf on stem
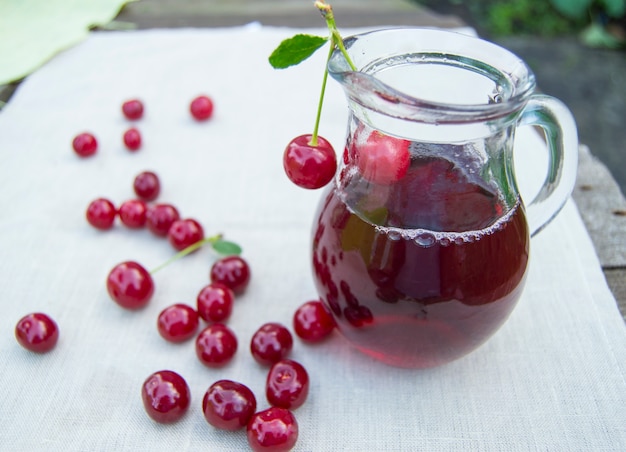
226, 248
296, 49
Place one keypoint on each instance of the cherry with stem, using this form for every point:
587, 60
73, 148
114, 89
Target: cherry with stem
310, 160
131, 286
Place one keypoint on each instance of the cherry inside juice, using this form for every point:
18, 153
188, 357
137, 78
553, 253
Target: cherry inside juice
427, 271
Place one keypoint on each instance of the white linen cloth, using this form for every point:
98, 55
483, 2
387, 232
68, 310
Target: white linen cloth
552, 379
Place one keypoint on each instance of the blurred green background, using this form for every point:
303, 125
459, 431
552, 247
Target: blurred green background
599, 23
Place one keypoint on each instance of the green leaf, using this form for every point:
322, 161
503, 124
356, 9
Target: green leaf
294, 50
226, 248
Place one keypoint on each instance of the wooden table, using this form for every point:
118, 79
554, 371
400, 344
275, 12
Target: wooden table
598, 197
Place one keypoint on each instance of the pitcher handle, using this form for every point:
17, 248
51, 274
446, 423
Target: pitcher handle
559, 127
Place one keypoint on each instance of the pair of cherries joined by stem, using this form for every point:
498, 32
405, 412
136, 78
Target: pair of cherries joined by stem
380, 159
131, 286
310, 160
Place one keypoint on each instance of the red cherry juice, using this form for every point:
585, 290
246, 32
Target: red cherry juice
429, 269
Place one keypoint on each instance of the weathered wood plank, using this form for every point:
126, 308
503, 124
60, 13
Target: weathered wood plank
603, 209
288, 13
616, 279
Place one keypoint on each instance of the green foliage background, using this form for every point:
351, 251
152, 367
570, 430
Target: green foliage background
541, 17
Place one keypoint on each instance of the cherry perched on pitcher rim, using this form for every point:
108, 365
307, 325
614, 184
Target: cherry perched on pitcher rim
85, 144
231, 271
132, 213
183, 233
201, 108
132, 109
228, 405
166, 396
147, 185
37, 332
272, 430
160, 217
130, 285
307, 165
101, 213
312, 322
132, 139
178, 322
271, 343
287, 384
215, 302
216, 345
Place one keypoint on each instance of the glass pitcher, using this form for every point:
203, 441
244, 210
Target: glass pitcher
421, 244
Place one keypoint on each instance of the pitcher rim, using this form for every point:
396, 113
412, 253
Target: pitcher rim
404, 106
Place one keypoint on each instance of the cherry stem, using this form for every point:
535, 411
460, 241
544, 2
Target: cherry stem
335, 40
190, 249
313, 141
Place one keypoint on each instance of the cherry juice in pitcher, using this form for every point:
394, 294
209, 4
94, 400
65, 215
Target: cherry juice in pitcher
420, 247
429, 267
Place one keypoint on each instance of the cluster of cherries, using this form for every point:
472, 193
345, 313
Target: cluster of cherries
231, 405
227, 404
85, 144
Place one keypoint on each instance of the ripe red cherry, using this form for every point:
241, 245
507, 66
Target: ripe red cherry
309, 166
233, 272
37, 332
101, 213
183, 233
215, 302
132, 139
383, 159
271, 343
216, 345
165, 396
132, 109
228, 405
312, 322
287, 384
178, 322
85, 144
130, 285
272, 430
147, 186
133, 213
160, 217
201, 108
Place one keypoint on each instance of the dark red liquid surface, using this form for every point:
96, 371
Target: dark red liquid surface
431, 275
